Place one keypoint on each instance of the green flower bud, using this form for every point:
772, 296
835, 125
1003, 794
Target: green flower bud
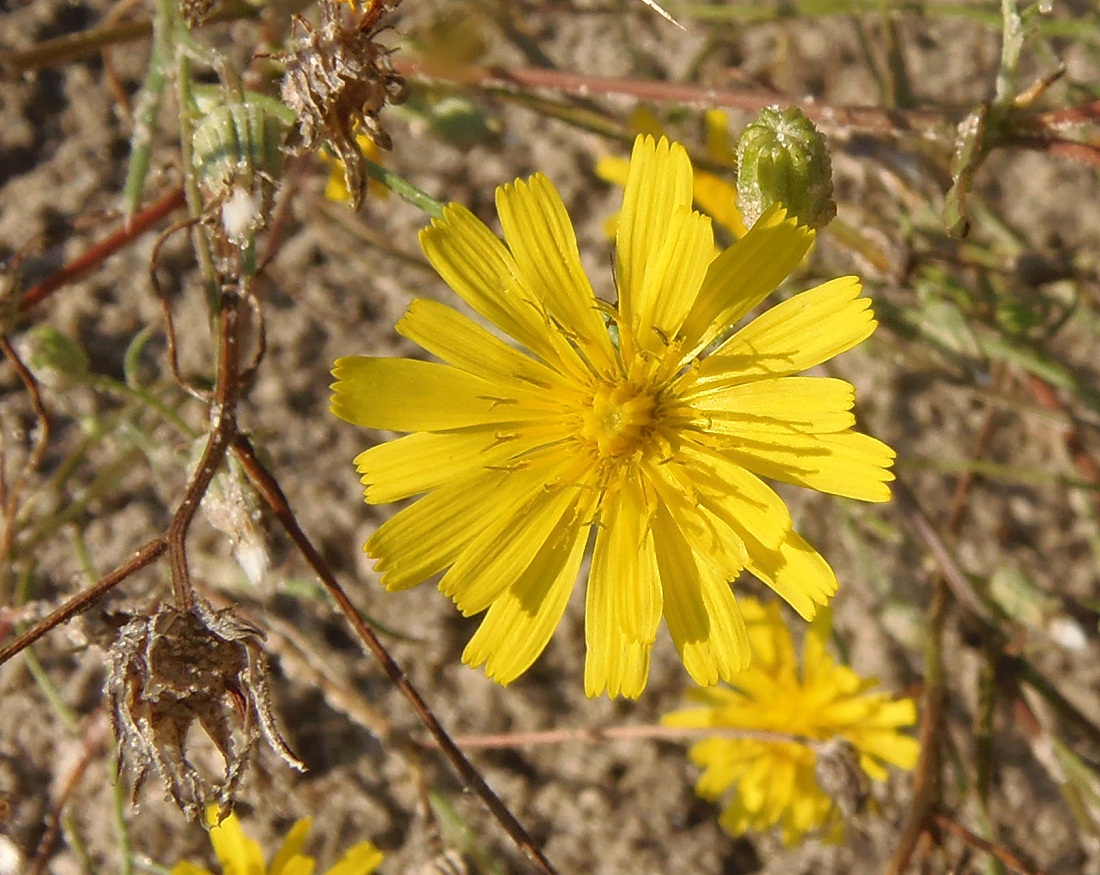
237, 154
782, 158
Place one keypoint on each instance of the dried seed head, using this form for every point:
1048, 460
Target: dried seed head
338, 79
174, 668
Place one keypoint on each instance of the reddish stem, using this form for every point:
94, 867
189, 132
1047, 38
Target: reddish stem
79, 266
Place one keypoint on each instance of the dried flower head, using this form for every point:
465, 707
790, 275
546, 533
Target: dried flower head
173, 668
338, 78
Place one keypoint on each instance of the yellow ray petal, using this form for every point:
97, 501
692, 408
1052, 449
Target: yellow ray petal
410, 395
427, 536
424, 461
476, 264
185, 868
848, 463
614, 663
518, 626
797, 334
624, 553
688, 497
291, 847
800, 405
459, 341
360, 859
613, 169
745, 274
700, 610
673, 273
658, 183
235, 851
299, 865
496, 558
738, 498
891, 747
797, 573
540, 235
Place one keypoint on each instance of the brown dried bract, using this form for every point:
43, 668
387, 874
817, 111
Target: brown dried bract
338, 79
177, 667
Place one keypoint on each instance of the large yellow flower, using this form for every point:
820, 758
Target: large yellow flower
639, 422
240, 855
775, 782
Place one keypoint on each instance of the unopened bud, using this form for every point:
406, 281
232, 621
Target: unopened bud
782, 158
237, 153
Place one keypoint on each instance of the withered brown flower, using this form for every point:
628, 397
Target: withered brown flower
174, 668
338, 78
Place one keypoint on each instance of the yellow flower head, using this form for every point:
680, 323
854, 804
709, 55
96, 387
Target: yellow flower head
775, 783
619, 423
240, 855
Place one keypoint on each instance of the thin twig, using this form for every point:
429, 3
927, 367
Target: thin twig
273, 495
626, 733
926, 775
1009, 859
223, 429
954, 576
166, 309
868, 119
85, 43
79, 266
145, 554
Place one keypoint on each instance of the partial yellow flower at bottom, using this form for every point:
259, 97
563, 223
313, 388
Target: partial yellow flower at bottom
774, 783
644, 426
713, 195
240, 855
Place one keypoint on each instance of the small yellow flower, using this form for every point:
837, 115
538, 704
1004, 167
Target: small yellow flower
713, 195
642, 426
774, 783
240, 855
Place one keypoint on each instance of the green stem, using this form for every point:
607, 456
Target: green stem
405, 189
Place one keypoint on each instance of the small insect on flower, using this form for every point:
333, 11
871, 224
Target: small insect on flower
642, 426
240, 855
832, 734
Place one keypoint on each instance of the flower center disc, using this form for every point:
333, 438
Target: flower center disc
618, 419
